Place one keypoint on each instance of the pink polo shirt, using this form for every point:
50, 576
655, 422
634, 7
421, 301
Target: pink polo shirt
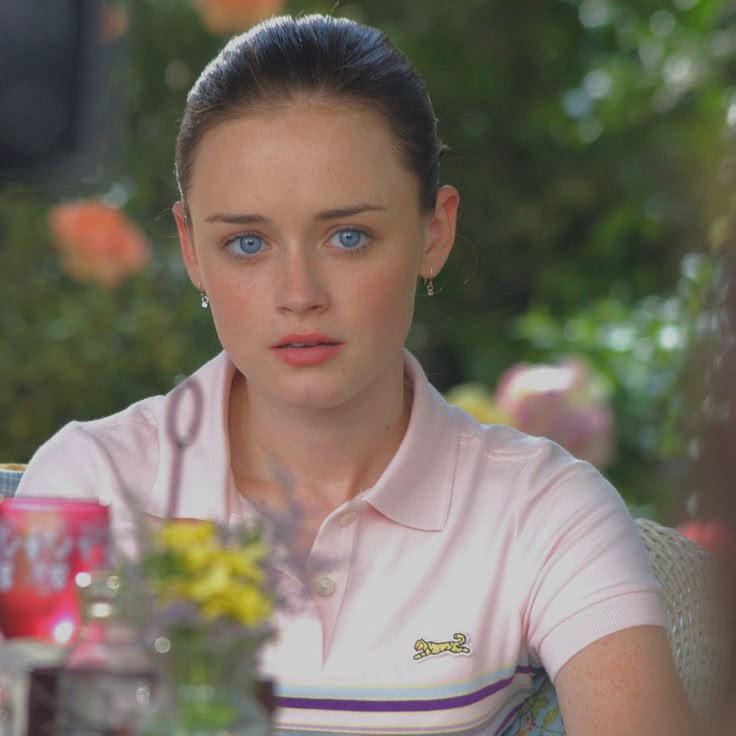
480, 556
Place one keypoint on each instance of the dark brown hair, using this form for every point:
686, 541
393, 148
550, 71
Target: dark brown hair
284, 58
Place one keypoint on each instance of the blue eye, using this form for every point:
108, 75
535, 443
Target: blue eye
349, 239
245, 245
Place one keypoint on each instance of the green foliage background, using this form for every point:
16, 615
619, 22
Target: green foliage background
590, 141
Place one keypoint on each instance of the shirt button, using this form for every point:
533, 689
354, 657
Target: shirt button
347, 518
324, 586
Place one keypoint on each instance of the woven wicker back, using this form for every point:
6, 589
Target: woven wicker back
698, 630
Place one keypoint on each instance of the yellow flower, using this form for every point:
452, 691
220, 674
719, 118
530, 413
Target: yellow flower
199, 557
244, 603
221, 576
215, 581
181, 534
239, 562
477, 400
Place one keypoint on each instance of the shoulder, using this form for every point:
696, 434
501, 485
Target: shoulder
135, 425
84, 457
568, 547
537, 492
494, 459
529, 468
87, 456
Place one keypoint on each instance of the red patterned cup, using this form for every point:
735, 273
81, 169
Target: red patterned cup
45, 543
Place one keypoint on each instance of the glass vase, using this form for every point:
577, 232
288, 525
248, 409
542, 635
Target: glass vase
107, 675
206, 689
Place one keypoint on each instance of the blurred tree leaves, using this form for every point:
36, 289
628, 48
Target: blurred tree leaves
587, 138
643, 350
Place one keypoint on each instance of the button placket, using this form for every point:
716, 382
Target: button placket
324, 586
347, 518
332, 554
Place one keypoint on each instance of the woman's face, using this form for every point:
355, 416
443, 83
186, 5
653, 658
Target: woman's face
306, 233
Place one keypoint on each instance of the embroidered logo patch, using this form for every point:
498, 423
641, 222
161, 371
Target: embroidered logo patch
426, 648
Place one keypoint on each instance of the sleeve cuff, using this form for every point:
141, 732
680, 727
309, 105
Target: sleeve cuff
644, 608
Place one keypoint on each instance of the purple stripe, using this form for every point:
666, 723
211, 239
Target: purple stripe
506, 721
395, 706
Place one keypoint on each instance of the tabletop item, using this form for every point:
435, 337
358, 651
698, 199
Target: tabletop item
182, 434
45, 543
27, 676
107, 676
207, 688
203, 596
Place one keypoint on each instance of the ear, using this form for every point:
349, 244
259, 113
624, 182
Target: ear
188, 252
440, 232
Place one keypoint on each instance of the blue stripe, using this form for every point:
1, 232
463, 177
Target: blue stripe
370, 703
390, 692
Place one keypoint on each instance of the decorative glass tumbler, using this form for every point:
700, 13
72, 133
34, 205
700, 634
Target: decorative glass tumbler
45, 543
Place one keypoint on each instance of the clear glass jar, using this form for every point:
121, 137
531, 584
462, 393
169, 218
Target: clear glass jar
207, 689
107, 676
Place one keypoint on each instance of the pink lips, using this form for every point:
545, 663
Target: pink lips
306, 350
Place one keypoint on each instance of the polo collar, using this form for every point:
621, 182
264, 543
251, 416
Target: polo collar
414, 490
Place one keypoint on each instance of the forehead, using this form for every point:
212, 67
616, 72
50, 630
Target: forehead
323, 146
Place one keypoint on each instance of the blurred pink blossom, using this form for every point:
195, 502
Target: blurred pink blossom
98, 243
224, 17
566, 402
713, 535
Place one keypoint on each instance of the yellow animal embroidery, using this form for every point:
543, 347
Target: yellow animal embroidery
425, 648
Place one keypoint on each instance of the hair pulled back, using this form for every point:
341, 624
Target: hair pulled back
284, 58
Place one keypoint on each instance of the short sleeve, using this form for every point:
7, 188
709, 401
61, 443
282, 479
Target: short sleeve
71, 464
112, 463
578, 544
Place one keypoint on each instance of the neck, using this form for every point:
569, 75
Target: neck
321, 457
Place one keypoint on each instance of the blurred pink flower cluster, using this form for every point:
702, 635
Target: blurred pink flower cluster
713, 535
223, 17
98, 243
566, 402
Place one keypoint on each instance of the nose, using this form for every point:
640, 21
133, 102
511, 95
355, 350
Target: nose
300, 286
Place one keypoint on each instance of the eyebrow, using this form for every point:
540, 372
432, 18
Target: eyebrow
332, 214
244, 219
339, 212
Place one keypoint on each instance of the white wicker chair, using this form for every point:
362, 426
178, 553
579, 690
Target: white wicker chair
699, 630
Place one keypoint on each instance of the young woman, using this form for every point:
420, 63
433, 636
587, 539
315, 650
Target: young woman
455, 560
